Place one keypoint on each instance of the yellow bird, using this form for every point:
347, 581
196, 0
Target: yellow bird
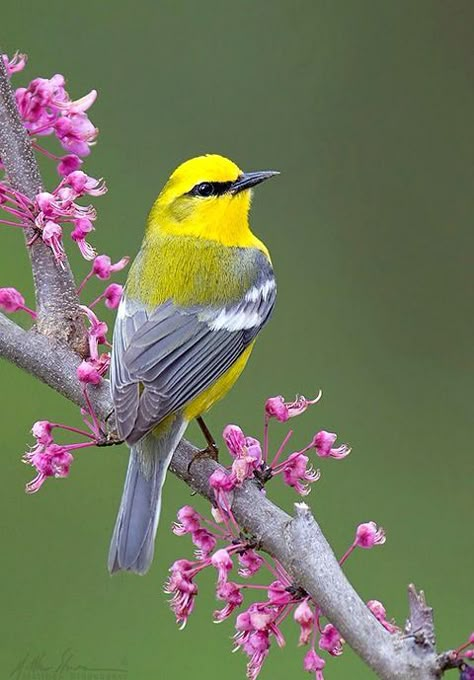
198, 293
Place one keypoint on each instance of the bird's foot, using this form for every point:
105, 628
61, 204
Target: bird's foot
211, 451
109, 439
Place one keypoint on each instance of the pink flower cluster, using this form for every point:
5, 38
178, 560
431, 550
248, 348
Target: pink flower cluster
219, 543
51, 459
15, 64
13, 301
46, 108
251, 460
91, 370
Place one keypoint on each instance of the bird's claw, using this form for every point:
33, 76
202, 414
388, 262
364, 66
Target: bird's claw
211, 451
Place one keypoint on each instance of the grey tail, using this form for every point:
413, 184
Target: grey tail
133, 540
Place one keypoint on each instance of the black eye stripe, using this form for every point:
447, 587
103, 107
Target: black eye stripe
206, 189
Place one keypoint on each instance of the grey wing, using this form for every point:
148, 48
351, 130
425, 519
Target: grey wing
164, 358
125, 391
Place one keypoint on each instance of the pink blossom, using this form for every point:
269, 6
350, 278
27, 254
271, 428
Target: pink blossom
45, 107
234, 439
60, 207
35, 103
278, 593
258, 617
68, 164
49, 461
254, 627
82, 227
97, 332
205, 543
83, 184
103, 267
253, 449
256, 646
46, 202
52, 236
378, 610
297, 475
15, 64
91, 371
304, 616
87, 373
261, 617
41, 431
113, 295
368, 535
247, 460
331, 640
230, 593
323, 441
314, 664
189, 521
180, 585
250, 563
222, 561
221, 481
75, 132
79, 105
277, 407
11, 300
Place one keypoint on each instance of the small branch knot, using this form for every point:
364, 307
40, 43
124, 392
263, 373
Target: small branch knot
420, 625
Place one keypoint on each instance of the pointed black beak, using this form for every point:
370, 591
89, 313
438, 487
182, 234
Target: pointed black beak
251, 179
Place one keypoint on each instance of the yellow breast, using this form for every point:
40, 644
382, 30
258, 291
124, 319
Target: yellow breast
217, 390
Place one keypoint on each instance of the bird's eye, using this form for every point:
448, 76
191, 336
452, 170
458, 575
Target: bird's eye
204, 189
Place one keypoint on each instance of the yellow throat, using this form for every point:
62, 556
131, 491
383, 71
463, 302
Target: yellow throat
184, 209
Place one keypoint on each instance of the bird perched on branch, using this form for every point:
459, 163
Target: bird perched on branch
198, 293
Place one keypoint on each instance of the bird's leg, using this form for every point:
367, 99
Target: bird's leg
211, 450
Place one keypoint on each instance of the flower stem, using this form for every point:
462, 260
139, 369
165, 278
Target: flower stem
14, 224
82, 445
265, 439
44, 151
282, 446
83, 282
95, 422
29, 311
97, 300
83, 433
348, 552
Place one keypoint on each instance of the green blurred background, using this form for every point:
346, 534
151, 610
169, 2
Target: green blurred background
366, 108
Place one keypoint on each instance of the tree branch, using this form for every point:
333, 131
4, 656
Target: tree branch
298, 543
57, 304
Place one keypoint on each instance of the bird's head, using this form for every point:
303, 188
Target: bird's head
206, 197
